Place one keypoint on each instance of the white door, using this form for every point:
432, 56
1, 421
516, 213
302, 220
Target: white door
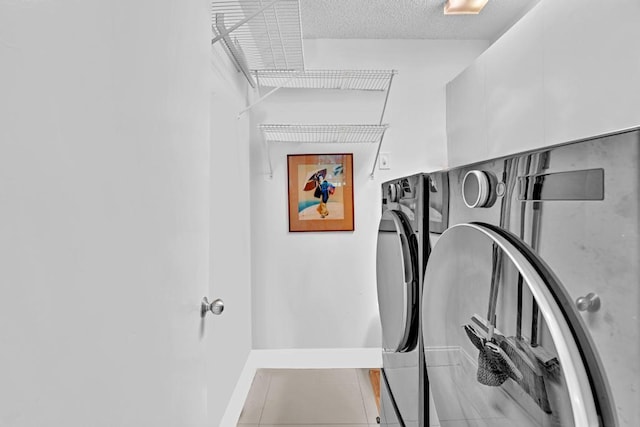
104, 213
228, 336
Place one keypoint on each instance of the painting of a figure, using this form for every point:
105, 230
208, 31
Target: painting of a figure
320, 192
323, 189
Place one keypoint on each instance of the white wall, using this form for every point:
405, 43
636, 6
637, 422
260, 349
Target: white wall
104, 224
568, 70
318, 290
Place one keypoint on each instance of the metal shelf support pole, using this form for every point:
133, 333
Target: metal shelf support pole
386, 97
384, 108
233, 50
266, 147
375, 161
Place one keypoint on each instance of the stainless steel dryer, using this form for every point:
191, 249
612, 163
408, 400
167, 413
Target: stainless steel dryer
402, 253
531, 300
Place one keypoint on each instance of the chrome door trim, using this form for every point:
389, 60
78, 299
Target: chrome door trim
583, 402
392, 401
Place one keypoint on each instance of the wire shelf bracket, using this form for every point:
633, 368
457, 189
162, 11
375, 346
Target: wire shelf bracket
321, 134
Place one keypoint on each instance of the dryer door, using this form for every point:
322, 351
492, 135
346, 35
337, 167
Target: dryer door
397, 282
506, 366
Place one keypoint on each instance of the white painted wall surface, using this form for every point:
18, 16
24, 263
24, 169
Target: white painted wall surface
318, 290
104, 217
568, 70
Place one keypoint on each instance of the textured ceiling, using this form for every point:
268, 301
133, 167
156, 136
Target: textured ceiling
406, 19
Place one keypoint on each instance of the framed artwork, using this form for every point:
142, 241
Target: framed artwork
320, 192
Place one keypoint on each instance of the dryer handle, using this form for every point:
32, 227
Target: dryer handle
406, 259
405, 249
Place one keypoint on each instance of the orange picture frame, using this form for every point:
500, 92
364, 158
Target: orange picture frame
320, 192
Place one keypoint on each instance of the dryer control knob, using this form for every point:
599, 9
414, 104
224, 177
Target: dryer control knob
395, 192
476, 189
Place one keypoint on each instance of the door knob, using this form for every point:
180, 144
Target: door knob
216, 306
589, 302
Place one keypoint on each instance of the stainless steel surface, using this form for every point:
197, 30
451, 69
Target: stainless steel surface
438, 194
565, 186
589, 302
216, 306
579, 209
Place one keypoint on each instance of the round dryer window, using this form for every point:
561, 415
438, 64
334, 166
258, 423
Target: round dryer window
501, 345
397, 282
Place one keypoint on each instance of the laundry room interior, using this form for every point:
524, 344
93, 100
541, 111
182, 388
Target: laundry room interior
158, 268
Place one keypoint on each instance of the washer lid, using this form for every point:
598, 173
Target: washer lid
397, 281
558, 379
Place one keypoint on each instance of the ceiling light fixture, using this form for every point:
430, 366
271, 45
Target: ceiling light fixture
464, 7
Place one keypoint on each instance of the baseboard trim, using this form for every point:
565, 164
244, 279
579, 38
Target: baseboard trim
323, 358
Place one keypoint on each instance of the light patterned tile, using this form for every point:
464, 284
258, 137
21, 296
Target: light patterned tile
295, 402
320, 376
252, 408
368, 397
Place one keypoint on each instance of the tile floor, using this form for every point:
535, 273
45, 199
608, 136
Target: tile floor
310, 398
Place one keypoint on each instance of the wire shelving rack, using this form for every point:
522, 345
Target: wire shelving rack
322, 134
367, 80
263, 38
259, 34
